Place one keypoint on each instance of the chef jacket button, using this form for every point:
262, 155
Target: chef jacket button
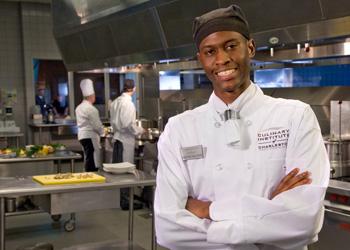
219, 167
248, 123
249, 165
217, 124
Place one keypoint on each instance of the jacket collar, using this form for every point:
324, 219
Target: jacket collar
246, 103
87, 102
127, 96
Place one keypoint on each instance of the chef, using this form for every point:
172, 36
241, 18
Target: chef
123, 121
90, 127
245, 171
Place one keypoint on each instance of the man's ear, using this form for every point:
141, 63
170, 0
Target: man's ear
251, 48
199, 58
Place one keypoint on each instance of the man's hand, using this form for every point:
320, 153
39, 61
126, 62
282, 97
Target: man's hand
292, 180
198, 207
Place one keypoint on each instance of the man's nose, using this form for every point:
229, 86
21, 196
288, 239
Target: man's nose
222, 57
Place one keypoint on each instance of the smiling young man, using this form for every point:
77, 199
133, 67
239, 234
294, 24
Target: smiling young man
236, 172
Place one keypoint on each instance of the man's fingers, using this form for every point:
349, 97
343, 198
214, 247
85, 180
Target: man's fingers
304, 181
300, 177
289, 176
291, 180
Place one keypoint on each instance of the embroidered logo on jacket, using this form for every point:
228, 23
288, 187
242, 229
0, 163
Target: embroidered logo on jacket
273, 138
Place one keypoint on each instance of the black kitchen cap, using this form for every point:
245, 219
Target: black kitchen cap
224, 19
128, 85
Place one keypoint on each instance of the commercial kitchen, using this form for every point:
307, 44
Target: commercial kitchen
50, 46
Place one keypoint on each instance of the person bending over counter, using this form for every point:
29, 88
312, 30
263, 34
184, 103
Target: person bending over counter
244, 171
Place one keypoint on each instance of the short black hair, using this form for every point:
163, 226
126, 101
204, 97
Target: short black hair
128, 85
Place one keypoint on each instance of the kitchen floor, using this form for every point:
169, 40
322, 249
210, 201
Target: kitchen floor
97, 226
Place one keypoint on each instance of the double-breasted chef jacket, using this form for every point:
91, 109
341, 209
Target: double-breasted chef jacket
90, 127
237, 166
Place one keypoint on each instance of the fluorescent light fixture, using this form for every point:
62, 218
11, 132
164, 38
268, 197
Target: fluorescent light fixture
303, 62
347, 48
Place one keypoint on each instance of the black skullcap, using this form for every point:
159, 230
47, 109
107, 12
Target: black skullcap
128, 84
224, 19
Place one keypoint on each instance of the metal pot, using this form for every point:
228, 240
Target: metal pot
144, 123
339, 157
154, 132
150, 135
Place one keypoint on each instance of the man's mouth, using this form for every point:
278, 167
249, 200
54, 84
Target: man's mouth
226, 74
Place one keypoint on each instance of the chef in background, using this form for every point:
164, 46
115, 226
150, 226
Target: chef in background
40, 98
90, 127
123, 121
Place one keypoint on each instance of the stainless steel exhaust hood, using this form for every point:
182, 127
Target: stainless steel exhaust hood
108, 33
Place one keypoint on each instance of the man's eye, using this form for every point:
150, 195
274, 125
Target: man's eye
231, 46
209, 52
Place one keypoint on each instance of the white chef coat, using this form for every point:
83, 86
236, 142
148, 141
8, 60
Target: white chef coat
123, 121
276, 136
90, 127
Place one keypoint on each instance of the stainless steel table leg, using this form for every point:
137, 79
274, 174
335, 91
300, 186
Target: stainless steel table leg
72, 165
2, 223
131, 214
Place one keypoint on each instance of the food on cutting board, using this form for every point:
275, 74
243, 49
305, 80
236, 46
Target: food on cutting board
63, 176
69, 178
72, 176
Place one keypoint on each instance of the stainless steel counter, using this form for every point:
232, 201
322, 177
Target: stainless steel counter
48, 126
68, 155
12, 186
339, 187
335, 231
29, 165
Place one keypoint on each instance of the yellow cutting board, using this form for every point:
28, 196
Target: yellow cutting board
68, 178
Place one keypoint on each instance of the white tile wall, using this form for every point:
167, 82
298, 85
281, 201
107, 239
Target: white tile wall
25, 33
11, 57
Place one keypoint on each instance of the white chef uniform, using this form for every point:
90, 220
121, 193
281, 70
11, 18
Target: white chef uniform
123, 121
198, 158
88, 121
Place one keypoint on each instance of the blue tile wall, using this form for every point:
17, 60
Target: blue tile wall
333, 75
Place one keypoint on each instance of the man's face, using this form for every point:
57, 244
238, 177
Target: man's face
41, 92
91, 98
225, 57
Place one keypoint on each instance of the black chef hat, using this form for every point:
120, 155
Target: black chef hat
224, 19
128, 85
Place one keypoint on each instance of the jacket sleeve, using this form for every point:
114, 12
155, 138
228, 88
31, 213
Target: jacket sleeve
176, 228
95, 121
293, 218
128, 118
